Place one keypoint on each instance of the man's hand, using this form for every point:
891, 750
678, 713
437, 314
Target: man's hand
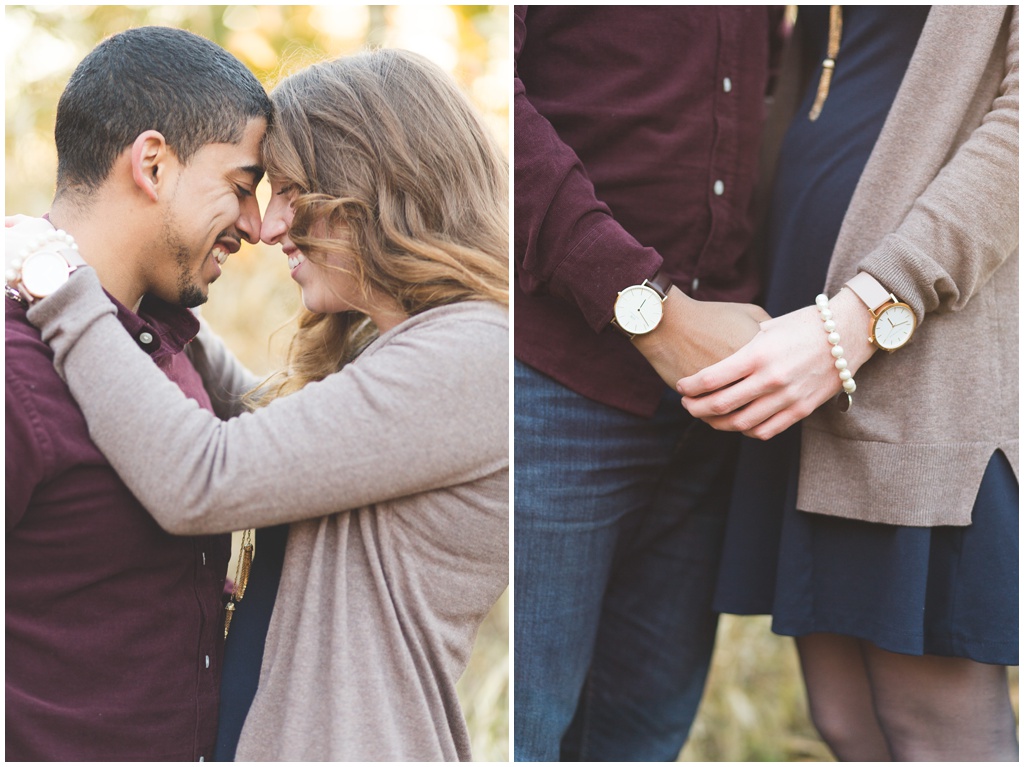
694, 334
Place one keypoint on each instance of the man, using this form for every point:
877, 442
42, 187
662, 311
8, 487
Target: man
114, 627
636, 140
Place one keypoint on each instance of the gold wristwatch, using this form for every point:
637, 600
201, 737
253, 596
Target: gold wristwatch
638, 308
41, 268
893, 322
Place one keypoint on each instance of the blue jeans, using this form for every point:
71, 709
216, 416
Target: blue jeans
618, 529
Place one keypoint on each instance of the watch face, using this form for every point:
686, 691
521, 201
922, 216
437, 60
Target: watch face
638, 309
894, 327
43, 272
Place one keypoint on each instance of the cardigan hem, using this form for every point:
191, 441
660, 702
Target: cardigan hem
909, 484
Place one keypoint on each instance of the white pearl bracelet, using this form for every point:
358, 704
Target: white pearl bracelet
849, 385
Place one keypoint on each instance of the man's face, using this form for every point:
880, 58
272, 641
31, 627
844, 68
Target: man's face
210, 208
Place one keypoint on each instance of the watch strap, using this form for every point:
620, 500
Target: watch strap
660, 284
870, 291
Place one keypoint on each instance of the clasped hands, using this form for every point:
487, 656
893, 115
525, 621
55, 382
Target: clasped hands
740, 370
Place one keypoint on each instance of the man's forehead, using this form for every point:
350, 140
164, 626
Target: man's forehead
251, 142
243, 157
256, 171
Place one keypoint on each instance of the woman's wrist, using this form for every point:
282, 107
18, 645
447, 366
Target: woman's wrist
853, 320
852, 324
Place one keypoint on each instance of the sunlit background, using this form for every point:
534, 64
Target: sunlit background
253, 303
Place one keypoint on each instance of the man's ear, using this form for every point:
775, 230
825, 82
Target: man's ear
150, 155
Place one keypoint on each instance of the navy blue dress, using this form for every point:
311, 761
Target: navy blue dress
950, 591
243, 649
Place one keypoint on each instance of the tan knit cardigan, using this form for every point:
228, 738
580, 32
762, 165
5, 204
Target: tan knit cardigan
935, 219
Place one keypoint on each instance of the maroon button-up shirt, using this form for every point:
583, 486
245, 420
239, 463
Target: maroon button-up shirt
114, 627
637, 132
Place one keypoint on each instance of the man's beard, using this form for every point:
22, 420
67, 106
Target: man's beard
189, 293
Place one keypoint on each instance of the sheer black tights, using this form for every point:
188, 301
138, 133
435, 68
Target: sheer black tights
872, 705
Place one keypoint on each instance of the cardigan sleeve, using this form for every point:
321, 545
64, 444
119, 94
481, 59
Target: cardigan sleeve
966, 223
225, 378
426, 410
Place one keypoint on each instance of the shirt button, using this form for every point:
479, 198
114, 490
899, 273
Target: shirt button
719, 188
695, 284
145, 338
727, 85
204, 558
207, 661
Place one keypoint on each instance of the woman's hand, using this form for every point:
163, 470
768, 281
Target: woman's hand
21, 231
784, 373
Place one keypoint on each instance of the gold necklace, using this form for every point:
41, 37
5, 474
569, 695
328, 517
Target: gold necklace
835, 33
242, 567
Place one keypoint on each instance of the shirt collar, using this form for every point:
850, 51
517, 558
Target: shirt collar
159, 328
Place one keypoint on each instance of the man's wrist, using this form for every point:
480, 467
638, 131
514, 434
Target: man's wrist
675, 307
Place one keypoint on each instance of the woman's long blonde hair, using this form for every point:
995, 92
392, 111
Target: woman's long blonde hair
396, 174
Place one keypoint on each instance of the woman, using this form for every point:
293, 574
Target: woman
384, 441
894, 524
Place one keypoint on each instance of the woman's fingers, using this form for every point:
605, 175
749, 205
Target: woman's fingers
750, 416
777, 423
18, 218
714, 377
727, 400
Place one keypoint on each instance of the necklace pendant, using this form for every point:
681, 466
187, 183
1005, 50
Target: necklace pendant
229, 612
246, 566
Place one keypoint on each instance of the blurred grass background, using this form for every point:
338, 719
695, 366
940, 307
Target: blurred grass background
254, 302
754, 707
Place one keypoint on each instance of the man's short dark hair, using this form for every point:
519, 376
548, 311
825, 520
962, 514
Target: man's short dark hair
151, 78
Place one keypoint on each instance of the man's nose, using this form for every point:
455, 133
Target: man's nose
249, 223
